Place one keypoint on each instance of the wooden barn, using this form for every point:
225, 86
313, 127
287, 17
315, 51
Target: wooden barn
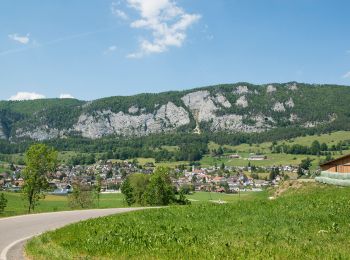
340, 165
336, 172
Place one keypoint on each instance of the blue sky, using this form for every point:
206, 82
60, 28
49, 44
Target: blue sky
97, 48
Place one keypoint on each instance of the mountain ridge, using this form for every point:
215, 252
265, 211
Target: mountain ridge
233, 108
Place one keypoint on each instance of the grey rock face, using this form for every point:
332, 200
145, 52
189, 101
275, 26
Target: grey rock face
241, 90
270, 89
133, 110
292, 87
221, 99
279, 107
167, 118
242, 102
2, 134
41, 133
201, 105
290, 103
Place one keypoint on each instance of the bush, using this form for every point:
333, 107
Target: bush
152, 190
3, 202
81, 197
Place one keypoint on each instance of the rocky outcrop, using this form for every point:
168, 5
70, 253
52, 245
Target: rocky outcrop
279, 107
167, 118
133, 110
221, 99
270, 89
201, 105
241, 90
235, 123
2, 134
40, 133
292, 87
290, 103
242, 102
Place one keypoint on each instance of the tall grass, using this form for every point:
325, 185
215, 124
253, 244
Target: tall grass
312, 223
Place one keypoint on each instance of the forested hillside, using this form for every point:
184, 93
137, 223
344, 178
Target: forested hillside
238, 110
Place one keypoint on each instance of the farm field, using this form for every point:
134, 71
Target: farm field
309, 220
272, 158
51, 203
205, 197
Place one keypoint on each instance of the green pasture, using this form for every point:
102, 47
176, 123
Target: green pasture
311, 222
17, 206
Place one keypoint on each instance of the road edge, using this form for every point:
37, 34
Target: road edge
3, 255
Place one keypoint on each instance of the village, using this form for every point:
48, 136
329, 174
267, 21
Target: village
223, 179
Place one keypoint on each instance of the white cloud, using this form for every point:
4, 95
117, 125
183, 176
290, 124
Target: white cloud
117, 12
346, 75
21, 39
66, 96
348, 52
110, 49
26, 96
167, 22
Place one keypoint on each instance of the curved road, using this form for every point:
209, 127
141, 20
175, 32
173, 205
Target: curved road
15, 230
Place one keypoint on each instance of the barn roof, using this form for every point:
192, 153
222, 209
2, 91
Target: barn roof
335, 160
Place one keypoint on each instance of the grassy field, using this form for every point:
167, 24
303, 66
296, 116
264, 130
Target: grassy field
272, 159
205, 197
329, 139
310, 222
51, 203
277, 159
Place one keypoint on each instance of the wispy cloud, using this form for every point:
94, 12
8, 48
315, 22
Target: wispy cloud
346, 75
348, 52
35, 45
110, 49
66, 96
20, 39
26, 96
167, 22
118, 12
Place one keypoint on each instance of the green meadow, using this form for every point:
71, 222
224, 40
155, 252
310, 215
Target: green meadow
308, 221
52, 203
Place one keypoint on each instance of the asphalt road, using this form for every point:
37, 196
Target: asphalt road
14, 231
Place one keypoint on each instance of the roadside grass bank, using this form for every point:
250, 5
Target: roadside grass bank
307, 221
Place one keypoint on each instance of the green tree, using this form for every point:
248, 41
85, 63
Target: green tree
3, 203
220, 151
139, 182
159, 190
98, 187
127, 191
306, 163
300, 172
182, 198
274, 172
222, 166
40, 161
315, 147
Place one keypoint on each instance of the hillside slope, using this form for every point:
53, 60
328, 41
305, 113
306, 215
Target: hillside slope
308, 221
240, 107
